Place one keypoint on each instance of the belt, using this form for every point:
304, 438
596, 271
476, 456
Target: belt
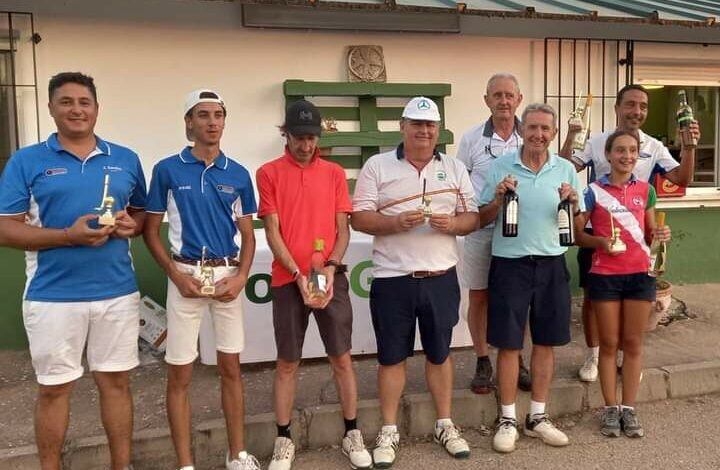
215, 262
424, 274
541, 257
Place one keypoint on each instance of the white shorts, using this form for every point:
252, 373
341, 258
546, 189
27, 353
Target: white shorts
184, 315
476, 259
59, 331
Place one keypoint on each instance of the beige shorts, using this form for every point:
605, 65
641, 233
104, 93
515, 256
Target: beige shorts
184, 316
59, 331
476, 259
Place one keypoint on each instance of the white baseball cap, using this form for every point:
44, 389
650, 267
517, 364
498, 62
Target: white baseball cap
421, 109
202, 95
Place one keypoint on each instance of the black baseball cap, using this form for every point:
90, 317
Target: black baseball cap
302, 118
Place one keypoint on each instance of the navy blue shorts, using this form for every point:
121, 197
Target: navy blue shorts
537, 286
638, 286
396, 303
584, 259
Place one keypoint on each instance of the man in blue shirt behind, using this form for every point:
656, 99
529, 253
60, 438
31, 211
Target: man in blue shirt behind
80, 288
209, 201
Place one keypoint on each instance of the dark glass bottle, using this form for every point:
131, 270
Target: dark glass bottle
510, 214
565, 223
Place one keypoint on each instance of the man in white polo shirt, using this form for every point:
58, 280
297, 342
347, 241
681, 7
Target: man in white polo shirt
209, 200
415, 201
478, 148
631, 110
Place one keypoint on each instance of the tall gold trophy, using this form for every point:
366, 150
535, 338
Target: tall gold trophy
206, 276
617, 246
581, 117
107, 217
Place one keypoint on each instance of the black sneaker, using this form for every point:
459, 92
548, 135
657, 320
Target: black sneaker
630, 423
611, 422
524, 380
482, 383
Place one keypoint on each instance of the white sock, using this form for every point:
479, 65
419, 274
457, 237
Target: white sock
443, 422
389, 427
623, 407
242, 454
508, 411
536, 408
595, 352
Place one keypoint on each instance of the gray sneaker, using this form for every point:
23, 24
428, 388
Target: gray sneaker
631, 424
611, 422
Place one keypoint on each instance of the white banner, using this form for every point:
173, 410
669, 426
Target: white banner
257, 309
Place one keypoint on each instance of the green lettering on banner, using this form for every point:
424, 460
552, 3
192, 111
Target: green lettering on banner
251, 288
357, 276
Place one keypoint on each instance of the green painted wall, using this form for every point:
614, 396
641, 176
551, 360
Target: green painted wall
694, 257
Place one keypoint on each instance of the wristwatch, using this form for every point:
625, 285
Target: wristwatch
339, 267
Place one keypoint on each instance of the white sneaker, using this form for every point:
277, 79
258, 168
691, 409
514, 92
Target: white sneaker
541, 426
448, 436
244, 461
354, 448
589, 370
386, 446
506, 435
283, 454
187, 467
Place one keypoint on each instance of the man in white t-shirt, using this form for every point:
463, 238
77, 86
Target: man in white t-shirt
631, 109
478, 148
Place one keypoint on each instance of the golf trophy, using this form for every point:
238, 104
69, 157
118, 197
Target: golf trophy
206, 276
425, 201
617, 246
107, 217
581, 117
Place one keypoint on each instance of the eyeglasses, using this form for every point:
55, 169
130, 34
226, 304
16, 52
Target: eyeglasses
498, 147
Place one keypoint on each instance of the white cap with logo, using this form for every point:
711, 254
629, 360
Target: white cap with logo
421, 109
202, 95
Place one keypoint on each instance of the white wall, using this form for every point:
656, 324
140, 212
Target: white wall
147, 54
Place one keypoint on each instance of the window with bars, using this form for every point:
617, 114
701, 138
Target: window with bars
19, 125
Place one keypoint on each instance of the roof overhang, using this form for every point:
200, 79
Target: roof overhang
459, 18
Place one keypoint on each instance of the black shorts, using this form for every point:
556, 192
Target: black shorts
396, 303
638, 286
291, 316
584, 259
537, 286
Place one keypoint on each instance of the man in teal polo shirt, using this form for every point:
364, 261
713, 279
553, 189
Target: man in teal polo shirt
528, 273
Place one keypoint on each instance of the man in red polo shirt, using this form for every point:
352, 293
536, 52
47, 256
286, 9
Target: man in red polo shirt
304, 199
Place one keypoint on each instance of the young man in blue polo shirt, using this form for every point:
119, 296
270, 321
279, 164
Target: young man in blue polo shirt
81, 288
209, 200
528, 276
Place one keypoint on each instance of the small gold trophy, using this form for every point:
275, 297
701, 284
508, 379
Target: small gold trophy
206, 277
106, 206
425, 201
617, 246
581, 117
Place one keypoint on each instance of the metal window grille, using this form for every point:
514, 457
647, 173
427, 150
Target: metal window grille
19, 120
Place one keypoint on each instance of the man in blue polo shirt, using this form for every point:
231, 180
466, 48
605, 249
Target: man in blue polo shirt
209, 200
80, 288
528, 275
